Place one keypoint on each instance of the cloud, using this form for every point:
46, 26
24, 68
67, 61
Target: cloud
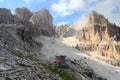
63, 8
67, 7
62, 23
110, 9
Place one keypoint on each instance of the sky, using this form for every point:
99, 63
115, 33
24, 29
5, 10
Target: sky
69, 11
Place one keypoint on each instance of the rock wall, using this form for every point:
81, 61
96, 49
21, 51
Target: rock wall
22, 14
111, 51
65, 30
6, 16
99, 30
29, 24
43, 21
61, 30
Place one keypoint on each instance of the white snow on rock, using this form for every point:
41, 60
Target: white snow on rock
56, 46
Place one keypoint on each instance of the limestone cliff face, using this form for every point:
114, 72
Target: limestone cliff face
5, 16
96, 19
25, 30
65, 30
22, 14
29, 24
98, 30
111, 51
43, 21
61, 30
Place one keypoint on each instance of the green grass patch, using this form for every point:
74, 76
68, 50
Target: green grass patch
19, 54
31, 58
17, 78
16, 53
62, 72
7, 78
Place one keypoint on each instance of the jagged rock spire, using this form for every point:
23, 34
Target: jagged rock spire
6, 16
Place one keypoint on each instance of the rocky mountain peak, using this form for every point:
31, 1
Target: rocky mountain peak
5, 10
44, 22
41, 21
65, 30
99, 30
96, 18
43, 10
22, 14
6, 16
61, 30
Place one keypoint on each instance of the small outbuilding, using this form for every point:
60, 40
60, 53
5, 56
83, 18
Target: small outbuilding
60, 60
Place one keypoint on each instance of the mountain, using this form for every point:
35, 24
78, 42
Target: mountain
43, 21
20, 56
19, 60
101, 70
100, 36
61, 30
21, 41
22, 14
6, 16
65, 30
98, 28
29, 46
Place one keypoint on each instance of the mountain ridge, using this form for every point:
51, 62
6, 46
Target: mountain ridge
97, 35
97, 31
29, 44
